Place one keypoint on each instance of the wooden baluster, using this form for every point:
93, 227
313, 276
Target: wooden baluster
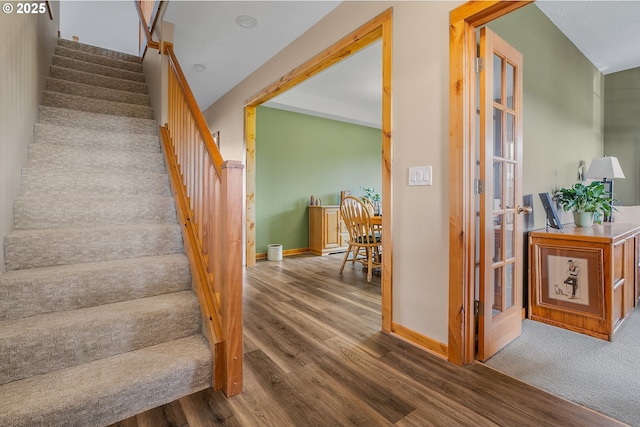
201, 164
203, 183
171, 101
219, 231
186, 161
198, 189
191, 161
180, 133
205, 203
175, 108
178, 137
183, 139
178, 130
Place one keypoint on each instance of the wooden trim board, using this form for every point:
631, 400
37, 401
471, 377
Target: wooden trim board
379, 28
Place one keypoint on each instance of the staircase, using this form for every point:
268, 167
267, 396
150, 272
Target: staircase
98, 321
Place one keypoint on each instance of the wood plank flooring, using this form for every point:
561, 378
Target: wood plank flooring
315, 356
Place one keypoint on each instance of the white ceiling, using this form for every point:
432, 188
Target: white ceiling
606, 32
351, 90
206, 33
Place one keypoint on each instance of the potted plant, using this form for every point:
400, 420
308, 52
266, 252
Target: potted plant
589, 203
373, 197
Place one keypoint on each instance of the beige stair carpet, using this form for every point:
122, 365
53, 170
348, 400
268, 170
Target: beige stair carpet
98, 321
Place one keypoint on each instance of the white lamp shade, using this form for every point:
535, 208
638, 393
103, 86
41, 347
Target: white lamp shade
604, 167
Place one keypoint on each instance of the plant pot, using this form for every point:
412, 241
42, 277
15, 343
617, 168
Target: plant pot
583, 219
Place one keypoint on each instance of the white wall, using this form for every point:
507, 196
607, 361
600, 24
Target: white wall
28, 42
108, 24
420, 137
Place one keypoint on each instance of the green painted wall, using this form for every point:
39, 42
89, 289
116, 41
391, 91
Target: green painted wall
563, 104
299, 155
622, 131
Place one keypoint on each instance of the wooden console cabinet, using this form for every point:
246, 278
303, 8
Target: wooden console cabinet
327, 233
585, 279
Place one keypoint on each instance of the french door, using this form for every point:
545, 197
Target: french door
499, 258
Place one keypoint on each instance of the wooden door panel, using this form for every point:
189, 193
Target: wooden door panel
500, 260
332, 221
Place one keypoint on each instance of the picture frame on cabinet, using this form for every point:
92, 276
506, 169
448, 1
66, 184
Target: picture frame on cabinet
571, 280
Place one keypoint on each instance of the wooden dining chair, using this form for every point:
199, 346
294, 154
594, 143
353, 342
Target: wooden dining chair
362, 235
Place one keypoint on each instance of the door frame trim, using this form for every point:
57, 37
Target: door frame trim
378, 28
463, 22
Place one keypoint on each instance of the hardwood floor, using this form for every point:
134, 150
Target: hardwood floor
315, 356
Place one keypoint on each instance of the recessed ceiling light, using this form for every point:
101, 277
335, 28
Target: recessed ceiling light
246, 21
198, 67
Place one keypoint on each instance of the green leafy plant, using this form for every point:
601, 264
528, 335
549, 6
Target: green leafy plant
373, 197
585, 198
370, 194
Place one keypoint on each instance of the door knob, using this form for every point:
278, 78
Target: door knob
525, 209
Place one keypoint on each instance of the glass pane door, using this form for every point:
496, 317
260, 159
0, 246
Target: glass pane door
500, 258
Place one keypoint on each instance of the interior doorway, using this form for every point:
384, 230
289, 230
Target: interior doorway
464, 21
378, 28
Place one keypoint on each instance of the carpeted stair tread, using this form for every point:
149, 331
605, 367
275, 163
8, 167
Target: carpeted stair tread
83, 77
88, 120
100, 106
55, 156
51, 181
74, 64
108, 390
98, 59
48, 342
59, 246
98, 320
33, 291
66, 212
90, 139
96, 92
70, 44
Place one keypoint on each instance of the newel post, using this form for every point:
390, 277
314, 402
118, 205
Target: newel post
231, 292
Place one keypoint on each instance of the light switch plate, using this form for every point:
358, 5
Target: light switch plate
420, 175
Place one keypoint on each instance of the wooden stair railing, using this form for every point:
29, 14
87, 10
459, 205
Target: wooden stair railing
208, 196
145, 31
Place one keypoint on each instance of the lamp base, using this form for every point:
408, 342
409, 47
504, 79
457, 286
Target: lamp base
608, 188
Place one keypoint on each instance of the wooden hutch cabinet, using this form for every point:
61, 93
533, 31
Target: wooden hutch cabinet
327, 233
585, 279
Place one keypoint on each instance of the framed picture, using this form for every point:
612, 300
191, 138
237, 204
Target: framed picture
553, 220
571, 280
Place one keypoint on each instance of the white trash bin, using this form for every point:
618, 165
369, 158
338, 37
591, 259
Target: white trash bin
274, 252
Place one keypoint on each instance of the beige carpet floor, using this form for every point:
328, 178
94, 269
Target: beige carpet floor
598, 374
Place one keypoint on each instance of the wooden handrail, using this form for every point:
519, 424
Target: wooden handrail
49, 10
208, 194
145, 26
